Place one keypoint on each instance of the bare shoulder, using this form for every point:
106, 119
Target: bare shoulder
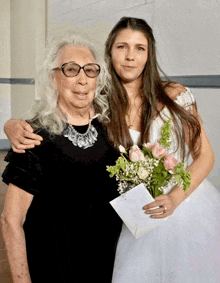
173, 90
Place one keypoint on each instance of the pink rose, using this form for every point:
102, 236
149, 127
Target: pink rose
157, 150
135, 154
149, 145
170, 162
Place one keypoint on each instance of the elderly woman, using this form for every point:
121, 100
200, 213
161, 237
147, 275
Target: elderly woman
58, 225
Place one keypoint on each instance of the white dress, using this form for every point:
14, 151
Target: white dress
183, 249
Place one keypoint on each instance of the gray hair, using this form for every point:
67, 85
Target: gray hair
45, 112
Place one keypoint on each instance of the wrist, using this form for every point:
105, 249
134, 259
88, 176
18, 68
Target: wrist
177, 194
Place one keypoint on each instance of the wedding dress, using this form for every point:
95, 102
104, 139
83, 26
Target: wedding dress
183, 249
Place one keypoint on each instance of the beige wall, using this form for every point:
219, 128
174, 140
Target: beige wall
22, 34
27, 44
5, 70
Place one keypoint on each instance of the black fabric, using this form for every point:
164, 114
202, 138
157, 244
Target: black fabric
71, 229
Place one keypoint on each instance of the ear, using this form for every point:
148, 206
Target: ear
53, 81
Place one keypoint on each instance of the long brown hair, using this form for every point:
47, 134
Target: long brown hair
153, 93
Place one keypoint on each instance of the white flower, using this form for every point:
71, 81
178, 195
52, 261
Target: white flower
143, 173
122, 149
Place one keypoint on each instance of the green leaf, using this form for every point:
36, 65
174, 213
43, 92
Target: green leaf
182, 175
120, 165
166, 134
178, 178
157, 192
147, 151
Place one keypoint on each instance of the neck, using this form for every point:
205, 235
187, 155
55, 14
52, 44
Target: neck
78, 116
133, 89
133, 116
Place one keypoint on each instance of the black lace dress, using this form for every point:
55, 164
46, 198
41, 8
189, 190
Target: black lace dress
71, 229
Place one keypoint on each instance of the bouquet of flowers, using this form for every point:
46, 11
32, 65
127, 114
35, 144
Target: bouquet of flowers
151, 165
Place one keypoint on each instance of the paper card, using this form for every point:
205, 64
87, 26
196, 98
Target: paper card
129, 208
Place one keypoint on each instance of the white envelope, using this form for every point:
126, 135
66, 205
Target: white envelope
129, 207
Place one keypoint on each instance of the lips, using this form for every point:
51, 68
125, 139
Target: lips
80, 92
129, 67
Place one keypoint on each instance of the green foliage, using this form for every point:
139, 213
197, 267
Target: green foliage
182, 176
120, 165
157, 192
147, 151
166, 134
160, 178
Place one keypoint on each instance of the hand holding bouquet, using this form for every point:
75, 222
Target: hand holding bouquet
151, 165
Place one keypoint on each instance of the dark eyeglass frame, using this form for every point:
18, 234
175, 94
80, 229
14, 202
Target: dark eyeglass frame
80, 67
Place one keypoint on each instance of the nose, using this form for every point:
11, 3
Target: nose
82, 78
130, 54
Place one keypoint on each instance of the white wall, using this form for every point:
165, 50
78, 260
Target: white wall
188, 36
94, 17
208, 102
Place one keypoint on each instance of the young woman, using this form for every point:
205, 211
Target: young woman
186, 247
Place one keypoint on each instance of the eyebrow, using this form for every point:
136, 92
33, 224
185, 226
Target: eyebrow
138, 44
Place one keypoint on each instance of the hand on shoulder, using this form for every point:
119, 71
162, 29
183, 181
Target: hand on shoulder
20, 135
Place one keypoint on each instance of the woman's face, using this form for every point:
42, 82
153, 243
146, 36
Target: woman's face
75, 93
129, 54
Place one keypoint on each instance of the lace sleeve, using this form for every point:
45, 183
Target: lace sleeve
186, 99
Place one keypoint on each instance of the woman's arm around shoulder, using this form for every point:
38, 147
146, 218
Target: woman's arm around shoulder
21, 135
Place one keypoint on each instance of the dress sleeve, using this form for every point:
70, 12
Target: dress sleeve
25, 171
186, 99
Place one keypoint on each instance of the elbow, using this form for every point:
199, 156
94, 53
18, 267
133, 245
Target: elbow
212, 160
3, 220
9, 226
4, 224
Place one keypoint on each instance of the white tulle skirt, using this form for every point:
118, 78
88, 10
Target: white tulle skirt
184, 249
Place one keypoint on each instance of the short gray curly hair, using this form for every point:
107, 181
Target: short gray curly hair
45, 112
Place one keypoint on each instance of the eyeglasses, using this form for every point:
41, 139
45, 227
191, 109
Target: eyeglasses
72, 69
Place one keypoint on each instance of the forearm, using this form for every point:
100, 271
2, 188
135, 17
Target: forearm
20, 135
16, 251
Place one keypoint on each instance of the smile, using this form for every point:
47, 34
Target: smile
80, 92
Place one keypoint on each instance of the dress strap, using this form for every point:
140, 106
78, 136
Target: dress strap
186, 99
